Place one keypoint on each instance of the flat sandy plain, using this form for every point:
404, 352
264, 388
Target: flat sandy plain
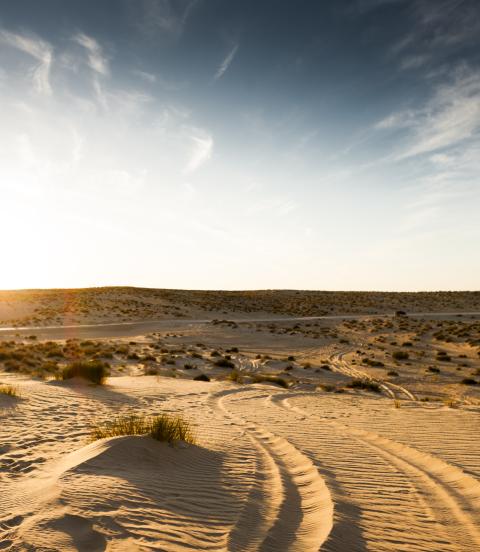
351, 430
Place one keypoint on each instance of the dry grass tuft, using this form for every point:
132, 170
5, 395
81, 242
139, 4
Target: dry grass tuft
9, 390
164, 427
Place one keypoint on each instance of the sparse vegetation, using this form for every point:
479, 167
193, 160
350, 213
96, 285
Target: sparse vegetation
9, 390
365, 384
262, 378
164, 427
201, 377
400, 355
94, 371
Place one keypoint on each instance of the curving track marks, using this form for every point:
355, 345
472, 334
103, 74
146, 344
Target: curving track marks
391, 389
452, 496
290, 509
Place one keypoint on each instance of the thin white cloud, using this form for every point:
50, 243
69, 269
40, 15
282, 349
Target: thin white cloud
96, 59
226, 62
149, 77
414, 62
201, 151
451, 116
166, 16
40, 50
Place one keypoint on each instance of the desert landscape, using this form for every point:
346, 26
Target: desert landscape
345, 422
240, 276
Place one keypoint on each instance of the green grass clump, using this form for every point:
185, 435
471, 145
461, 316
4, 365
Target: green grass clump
164, 427
93, 370
364, 384
9, 390
260, 378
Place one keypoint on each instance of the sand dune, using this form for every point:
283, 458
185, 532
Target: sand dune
272, 470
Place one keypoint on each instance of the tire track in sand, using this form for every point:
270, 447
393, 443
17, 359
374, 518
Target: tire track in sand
289, 507
452, 496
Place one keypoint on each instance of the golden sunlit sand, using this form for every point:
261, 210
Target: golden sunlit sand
342, 434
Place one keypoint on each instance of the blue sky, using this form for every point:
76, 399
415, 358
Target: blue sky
241, 144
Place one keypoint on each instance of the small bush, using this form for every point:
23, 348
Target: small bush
392, 373
201, 377
364, 384
469, 381
433, 369
260, 378
224, 363
94, 371
165, 427
400, 355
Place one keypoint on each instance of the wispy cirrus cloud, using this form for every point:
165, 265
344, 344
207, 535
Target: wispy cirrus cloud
37, 48
97, 61
166, 16
226, 62
451, 116
201, 151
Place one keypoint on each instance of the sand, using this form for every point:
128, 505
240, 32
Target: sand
314, 465
273, 470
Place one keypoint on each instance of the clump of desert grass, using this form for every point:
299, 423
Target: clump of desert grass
93, 370
9, 390
364, 384
262, 378
170, 428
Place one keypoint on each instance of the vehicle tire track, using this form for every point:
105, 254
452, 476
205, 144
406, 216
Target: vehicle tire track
290, 508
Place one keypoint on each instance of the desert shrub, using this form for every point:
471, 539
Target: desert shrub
373, 363
392, 373
201, 377
93, 370
235, 376
364, 384
224, 363
433, 369
469, 381
400, 355
327, 387
9, 390
260, 378
164, 427
290, 358
326, 367
188, 366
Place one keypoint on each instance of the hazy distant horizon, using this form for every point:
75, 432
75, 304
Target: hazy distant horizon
307, 290
240, 145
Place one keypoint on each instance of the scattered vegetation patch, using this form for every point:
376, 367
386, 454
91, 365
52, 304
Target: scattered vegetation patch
469, 381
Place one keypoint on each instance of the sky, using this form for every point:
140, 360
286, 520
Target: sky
240, 144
